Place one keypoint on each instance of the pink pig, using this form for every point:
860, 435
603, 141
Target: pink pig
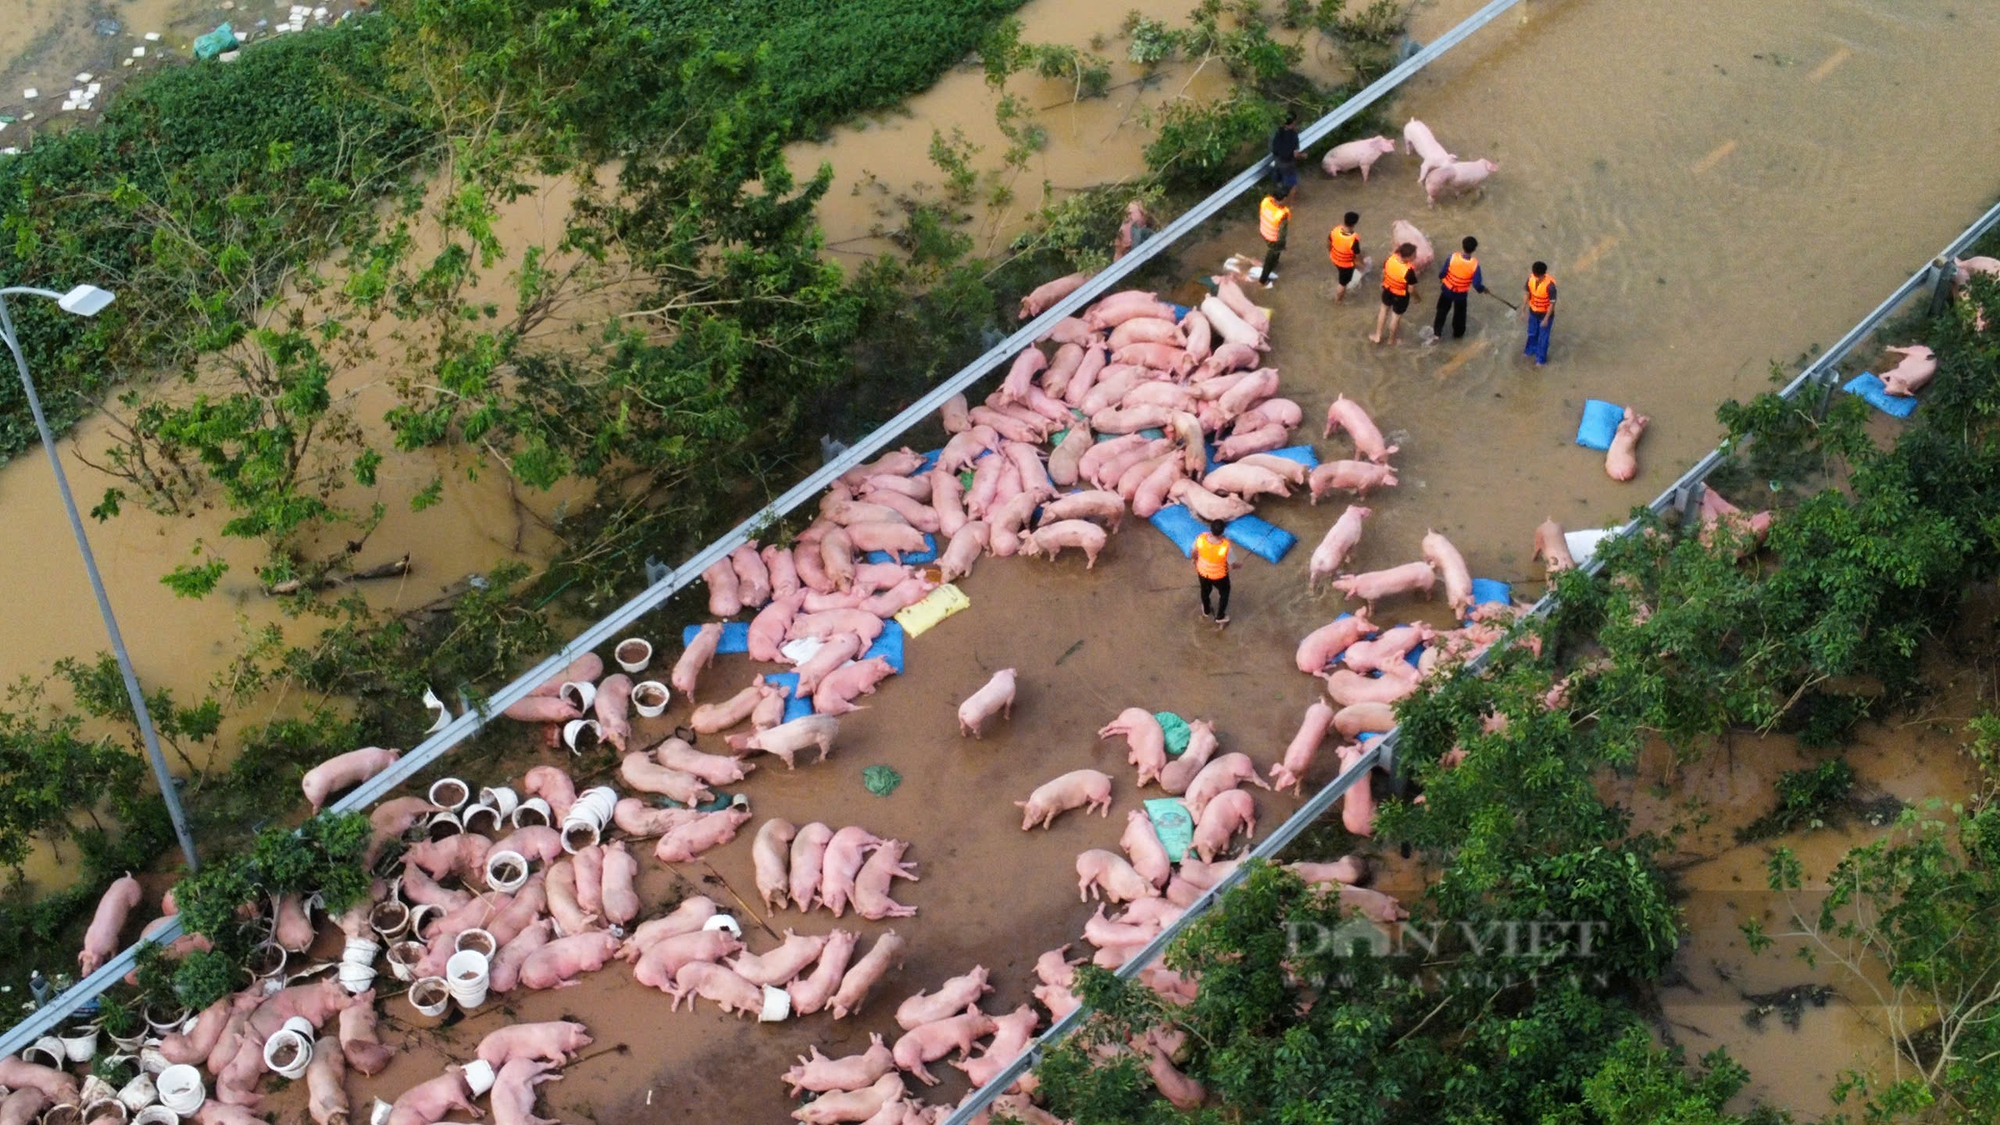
1345, 414
845, 854
1418, 138
1318, 648
1100, 871
784, 576
1085, 536
1360, 154
935, 1040
996, 697
1227, 813
1088, 790
1291, 773
101, 940
871, 886
820, 1074
557, 964
1021, 375
1357, 810
887, 953
808, 860
836, 693
712, 830
429, 1102
1451, 565
1358, 477
1908, 377
1403, 230
556, 1042
1142, 846
343, 770
724, 598
1145, 740
1621, 461
1225, 772
753, 579
1415, 577
1346, 686
730, 991
811, 993
1457, 178
1340, 541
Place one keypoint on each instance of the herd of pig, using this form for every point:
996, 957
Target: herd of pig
1442, 173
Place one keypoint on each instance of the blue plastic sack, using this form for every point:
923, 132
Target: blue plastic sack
889, 645
795, 708
1180, 311
1870, 389
1600, 423
735, 637
930, 462
1485, 590
1265, 540
1303, 454
910, 558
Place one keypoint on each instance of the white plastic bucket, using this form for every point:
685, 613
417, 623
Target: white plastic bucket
95, 1089
580, 695
650, 698
390, 918
443, 826
268, 960
157, 1115
478, 1076
483, 820
500, 797
287, 1053
152, 1062
48, 1051
403, 959
62, 1114
533, 812
467, 975
506, 871
633, 654
450, 793
422, 914
80, 1044
585, 824
181, 1089
430, 996
378, 1114
139, 1093
478, 941
361, 951
356, 979
723, 922
582, 735
777, 1005
106, 1111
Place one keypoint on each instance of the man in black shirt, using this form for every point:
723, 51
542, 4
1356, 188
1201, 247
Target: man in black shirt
1285, 155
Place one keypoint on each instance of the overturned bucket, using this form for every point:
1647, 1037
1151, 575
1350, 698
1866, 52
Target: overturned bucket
533, 812
582, 735
484, 820
578, 694
585, 824
443, 826
777, 1005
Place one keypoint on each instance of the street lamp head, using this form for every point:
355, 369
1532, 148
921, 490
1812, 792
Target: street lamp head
85, 300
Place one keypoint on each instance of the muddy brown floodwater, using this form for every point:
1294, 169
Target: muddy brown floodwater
1715, 187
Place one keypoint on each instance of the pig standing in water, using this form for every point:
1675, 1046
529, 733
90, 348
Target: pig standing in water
1098, 870
1357, 477
343, 770
1457, 178
1320, 646
1360, 154
1418, 138
1345, 414
1621, 461
996, 696
101, 940
1416, 577
1291, 773
699, 654
1050, 540
1552, 548
1340, 541
1449, 563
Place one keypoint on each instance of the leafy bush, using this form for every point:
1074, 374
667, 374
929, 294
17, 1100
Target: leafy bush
1807, 798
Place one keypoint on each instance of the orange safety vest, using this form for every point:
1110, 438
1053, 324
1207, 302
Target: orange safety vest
1538, 293
1211, 556
1396, 275
1340, 246
1459, 271
1271, 219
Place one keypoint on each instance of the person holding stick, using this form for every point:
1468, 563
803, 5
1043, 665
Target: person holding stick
1456, 281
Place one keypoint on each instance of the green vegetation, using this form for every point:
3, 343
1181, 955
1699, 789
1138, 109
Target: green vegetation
1807, 798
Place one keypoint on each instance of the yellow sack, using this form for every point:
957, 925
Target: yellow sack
937, 605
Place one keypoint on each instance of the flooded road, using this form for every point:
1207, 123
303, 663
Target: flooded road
1713, 190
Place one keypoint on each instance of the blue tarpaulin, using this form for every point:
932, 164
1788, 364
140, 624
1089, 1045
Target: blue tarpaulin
735, 637
1870, 389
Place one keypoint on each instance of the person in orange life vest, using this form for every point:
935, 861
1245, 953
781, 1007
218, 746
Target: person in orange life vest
1274, 220
1459, 277
1343, 249
1211, 569
1399, 288
1539, 310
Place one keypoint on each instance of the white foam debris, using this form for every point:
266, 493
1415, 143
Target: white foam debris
138, 52
30, 94
84, 77
152, 37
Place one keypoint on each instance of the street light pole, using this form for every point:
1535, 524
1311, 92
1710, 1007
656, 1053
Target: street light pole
87, 300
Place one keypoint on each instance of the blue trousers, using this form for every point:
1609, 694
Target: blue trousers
1538, 338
